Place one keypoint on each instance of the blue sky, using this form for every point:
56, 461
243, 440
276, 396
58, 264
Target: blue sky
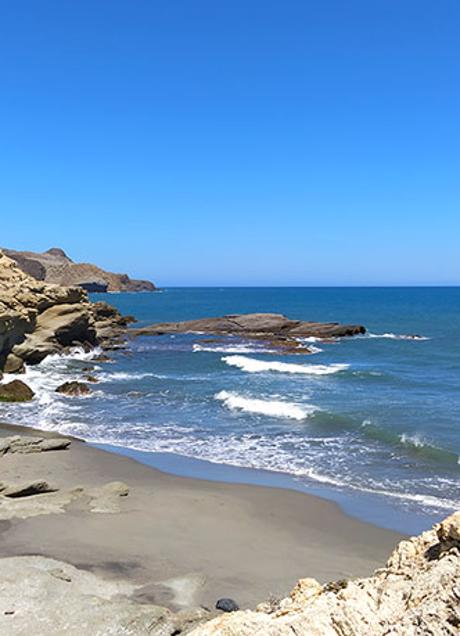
239, 142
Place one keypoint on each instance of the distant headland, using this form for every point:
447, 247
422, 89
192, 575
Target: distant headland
54, 266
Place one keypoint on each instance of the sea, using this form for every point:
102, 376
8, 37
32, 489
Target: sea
370, 422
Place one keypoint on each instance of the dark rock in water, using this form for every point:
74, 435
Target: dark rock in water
91, 378
94, 286
254, 325
74, 388
227, 605
15, 391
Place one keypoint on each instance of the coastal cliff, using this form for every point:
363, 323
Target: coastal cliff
38, 319
54, 266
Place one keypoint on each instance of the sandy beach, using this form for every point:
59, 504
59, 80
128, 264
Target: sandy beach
187, 542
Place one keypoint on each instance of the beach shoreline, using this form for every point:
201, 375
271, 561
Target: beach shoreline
186, 542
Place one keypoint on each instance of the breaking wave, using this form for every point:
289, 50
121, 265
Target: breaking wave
272, 408
250, 365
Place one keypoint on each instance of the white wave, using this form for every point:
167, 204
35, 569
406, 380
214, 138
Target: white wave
231, 348
394, 336
76, 353
412, 440
257, 366
272, 408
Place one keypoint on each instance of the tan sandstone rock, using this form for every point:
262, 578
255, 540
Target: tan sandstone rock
38, 319
45, 597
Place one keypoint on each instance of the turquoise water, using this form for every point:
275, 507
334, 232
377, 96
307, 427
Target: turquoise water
372, 422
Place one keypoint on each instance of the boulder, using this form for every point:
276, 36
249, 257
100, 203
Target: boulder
74, 388
227, 605
14, 364
15, 391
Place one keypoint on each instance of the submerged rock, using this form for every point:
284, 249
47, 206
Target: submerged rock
416, 593
91, 378
74, 388
16, 391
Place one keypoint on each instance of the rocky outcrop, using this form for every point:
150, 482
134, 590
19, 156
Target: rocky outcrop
272, 327
74, 388
54, 266
38, 319
15, 391
25, 444
416, 593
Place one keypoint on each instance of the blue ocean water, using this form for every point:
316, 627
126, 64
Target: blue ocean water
372, 422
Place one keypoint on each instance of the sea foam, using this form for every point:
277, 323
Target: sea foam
250, 365
272, 408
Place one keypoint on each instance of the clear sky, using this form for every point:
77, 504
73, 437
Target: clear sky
220, 142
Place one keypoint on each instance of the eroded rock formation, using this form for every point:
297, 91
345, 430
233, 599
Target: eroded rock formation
38, 319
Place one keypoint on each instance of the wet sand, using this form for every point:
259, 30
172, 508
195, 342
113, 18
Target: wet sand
188, 541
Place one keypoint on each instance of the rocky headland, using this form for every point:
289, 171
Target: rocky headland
38, 319
54, 266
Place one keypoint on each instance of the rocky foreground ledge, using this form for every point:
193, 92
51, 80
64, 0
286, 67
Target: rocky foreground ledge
417, 592
38, 319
